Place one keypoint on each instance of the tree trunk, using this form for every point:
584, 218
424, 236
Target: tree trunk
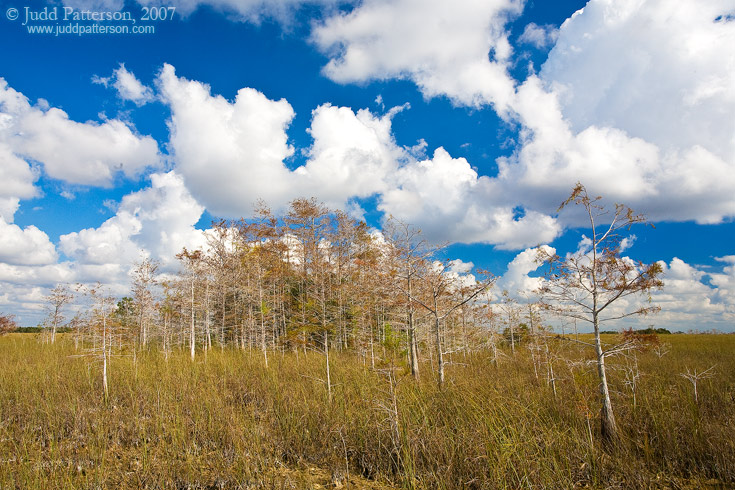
326, 354
439, 353
104, 359
414, 357
192, 334
263, 346
413, 351
608, 427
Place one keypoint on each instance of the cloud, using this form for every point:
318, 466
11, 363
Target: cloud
539, 36
652, 128
16, 181
154, 222
79, 153
675, 85
353, 155
232, 153
459, 266
229, 153
447, 200
157, 222
127, 85
25, 246
456, 49
687, 301
725, 283
516, 279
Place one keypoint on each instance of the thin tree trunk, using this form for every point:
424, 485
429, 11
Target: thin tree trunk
326, 354
413, 351
608, 427
439, 353
192, 334
104, 358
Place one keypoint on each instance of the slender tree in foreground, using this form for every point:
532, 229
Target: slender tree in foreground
585, 285
60, 296
443, 299
410, 255
144, 282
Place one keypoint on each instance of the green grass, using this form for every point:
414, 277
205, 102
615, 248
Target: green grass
228, 422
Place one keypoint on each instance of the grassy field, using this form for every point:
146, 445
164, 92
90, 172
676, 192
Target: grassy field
227, 421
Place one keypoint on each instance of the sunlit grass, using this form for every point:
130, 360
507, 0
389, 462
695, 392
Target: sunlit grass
227, 421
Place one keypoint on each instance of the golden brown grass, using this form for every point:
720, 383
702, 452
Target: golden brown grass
228, 422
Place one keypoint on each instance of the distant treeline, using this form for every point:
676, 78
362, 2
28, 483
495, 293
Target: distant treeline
40, 329
644, 331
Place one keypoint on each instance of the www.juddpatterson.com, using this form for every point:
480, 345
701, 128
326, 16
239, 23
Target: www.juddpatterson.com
57, 21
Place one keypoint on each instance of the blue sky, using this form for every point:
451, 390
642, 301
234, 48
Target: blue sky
472, 120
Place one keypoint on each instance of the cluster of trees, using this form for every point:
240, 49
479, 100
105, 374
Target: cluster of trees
319, 279
7, 324
314, 279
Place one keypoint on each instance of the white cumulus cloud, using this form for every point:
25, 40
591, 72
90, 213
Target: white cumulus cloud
459, 49
157, 222
636, 101
79, 153
539, 36
25, 246
232, 153
127, 85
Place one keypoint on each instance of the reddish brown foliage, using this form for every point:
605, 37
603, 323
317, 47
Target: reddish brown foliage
7, 324
645, 341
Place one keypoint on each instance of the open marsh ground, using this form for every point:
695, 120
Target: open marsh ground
228, 421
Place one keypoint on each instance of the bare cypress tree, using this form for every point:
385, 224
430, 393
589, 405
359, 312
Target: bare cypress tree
192, 262
583, 285
445, 295
410, 255
101, 328
60, 296
144, 281
510, 309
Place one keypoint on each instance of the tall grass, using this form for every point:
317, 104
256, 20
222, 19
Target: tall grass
227, 421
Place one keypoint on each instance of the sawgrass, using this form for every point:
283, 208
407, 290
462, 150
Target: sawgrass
227, 421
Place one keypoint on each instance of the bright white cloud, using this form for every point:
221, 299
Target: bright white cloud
447, 200
25, 246
80, 153
673, 87
232, 153
652, 128
539, 36
353, 155
459, 49
154, 222
459, 266
516, 279
725, 283
157, 221
16, 181
127, 85
688, 303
